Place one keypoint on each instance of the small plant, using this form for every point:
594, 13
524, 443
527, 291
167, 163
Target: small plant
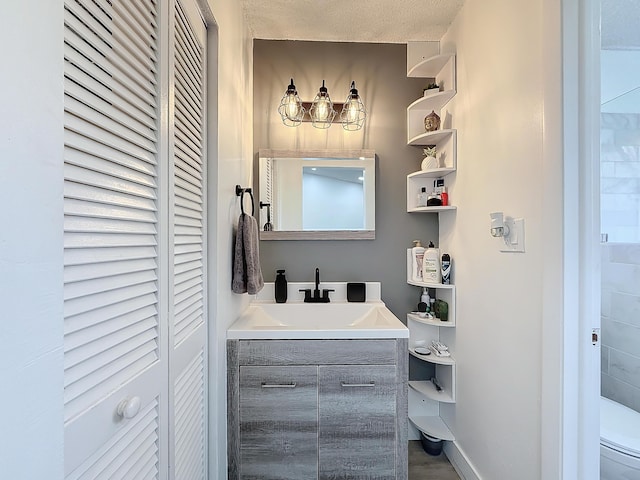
429, 151
431, 86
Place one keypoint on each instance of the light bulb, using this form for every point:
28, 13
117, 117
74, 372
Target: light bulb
322, 111
352, 111
292, 106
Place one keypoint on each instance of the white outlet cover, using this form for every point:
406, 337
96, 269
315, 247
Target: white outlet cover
515, 241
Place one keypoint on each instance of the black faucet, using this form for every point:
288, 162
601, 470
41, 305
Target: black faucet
316, 297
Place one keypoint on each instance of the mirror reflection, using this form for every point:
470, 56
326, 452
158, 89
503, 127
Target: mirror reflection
317, 194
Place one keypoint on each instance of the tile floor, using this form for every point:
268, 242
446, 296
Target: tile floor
427, 467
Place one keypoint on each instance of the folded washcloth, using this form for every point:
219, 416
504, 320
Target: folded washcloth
247, 275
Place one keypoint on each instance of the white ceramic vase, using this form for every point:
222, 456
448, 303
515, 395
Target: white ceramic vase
429, 163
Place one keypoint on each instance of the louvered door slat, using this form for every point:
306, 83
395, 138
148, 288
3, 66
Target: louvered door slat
188, 249
105, 255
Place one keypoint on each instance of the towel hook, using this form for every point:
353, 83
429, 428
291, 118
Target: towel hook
240, 193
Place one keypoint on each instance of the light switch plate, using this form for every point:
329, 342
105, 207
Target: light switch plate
515, 241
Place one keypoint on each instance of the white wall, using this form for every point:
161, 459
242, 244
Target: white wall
500, 118
232, 127
31, 259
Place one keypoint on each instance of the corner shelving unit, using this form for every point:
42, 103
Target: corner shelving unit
424, 60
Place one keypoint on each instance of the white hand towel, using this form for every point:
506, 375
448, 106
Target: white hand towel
247, 275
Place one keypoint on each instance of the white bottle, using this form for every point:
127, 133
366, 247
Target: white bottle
422, 197
431, 265
417, 254
425, 298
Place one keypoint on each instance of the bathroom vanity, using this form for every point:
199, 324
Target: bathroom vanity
317, 403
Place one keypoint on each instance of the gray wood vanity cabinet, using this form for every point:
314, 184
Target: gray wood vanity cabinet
317, 409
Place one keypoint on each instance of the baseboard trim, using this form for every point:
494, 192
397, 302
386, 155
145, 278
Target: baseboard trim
460, 462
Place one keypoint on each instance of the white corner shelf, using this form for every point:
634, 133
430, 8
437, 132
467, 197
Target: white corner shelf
431, 173
424, 60
433, 426
435, 101
417, 137
434, 66
428, 389
436, 322
433, 358
431, 209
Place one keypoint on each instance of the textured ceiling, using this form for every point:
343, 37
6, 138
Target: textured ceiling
396, 21
377, 21
620, 29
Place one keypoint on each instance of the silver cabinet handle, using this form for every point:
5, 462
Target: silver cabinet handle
278, 385
344, 384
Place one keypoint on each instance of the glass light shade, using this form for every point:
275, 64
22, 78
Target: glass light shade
321, 111
291, 110
353, 112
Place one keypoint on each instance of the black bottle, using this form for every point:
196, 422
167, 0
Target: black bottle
281, 287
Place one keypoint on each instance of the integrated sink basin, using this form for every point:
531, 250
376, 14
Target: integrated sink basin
308, 320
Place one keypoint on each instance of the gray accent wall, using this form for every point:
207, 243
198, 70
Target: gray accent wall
379, 71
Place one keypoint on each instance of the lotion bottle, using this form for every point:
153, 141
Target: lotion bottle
431, 265
417, 255
422, 197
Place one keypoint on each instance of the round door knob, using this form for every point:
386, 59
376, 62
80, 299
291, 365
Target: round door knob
129, 407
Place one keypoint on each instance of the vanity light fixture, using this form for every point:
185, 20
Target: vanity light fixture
291, 110
321, 111
353, 112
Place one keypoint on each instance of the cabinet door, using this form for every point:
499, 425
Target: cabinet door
279, 422
357, 424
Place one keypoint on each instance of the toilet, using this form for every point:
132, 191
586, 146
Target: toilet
619, 441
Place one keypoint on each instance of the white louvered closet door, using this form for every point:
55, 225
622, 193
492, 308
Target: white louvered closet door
134, 241
113, 327
187, 328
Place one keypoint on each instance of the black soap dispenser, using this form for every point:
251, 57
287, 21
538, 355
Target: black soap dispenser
281, 287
